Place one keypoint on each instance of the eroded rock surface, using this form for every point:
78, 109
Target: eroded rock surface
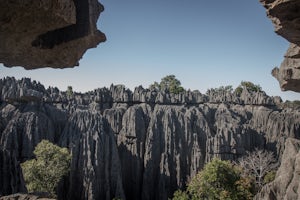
286, 184
143, 144
285, 16
47, 33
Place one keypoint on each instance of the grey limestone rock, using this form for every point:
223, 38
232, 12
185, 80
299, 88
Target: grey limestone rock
286, 184
140, 145
95, 168
11, 178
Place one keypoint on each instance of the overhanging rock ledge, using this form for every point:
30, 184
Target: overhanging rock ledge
48, 33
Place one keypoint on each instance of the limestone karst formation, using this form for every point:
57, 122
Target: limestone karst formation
285, 15
141, 144
47, 33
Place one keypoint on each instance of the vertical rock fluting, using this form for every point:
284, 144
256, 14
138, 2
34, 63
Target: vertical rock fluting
174, 149
11, 178
140, 145
95, 168
131, 145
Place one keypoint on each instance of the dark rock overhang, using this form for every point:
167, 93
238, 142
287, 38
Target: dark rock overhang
285, 15
46, 33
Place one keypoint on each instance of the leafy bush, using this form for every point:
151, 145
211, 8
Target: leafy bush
269, 177
251, 87
218, 180
51, 164
180, 195
69, 91
227, 88
169, 83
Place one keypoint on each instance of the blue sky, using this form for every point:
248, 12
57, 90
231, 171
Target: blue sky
205, 43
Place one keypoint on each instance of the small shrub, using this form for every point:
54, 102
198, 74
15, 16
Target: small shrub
43, 173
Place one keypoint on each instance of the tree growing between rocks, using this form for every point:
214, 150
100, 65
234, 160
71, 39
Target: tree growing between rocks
258, 164
218, 180
69, 91
169, 83
43, 173
251, 87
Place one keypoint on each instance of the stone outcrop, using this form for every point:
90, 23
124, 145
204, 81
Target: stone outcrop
47, 33
20, 196
11, 178
143, 144
286, 184
95, 168
285, 16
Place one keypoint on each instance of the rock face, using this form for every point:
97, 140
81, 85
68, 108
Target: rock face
285, 16
20, 196
286, 184
135, 145
50, 33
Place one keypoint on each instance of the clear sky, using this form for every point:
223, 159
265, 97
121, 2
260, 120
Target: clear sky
205, 43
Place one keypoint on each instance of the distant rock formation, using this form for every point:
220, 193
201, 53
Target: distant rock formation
285, 16
46, 33
135, 145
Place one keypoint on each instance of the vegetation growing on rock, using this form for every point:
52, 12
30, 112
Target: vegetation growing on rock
169, 83
218, 180
251, 87
51, 164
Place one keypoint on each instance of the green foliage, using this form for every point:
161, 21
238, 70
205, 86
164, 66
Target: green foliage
251, 87
269, 177
180, 195
225, 89
43, 173
169, 83
69, 91
220, 180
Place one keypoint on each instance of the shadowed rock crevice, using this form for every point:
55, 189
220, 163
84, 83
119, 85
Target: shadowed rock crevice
66, 34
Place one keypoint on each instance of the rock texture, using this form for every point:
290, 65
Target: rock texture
50, 33
286, 184
135, 145
285, 16
20, 196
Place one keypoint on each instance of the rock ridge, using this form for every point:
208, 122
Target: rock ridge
136, 151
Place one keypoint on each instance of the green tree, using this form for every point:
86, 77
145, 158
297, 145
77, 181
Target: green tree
220, 180
180, 195
51, 164
227, 88
169, 83
251, 87
69, 91
269, 177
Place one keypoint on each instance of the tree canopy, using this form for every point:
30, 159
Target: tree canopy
218, 180
251, 87
169, 83
43, 173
